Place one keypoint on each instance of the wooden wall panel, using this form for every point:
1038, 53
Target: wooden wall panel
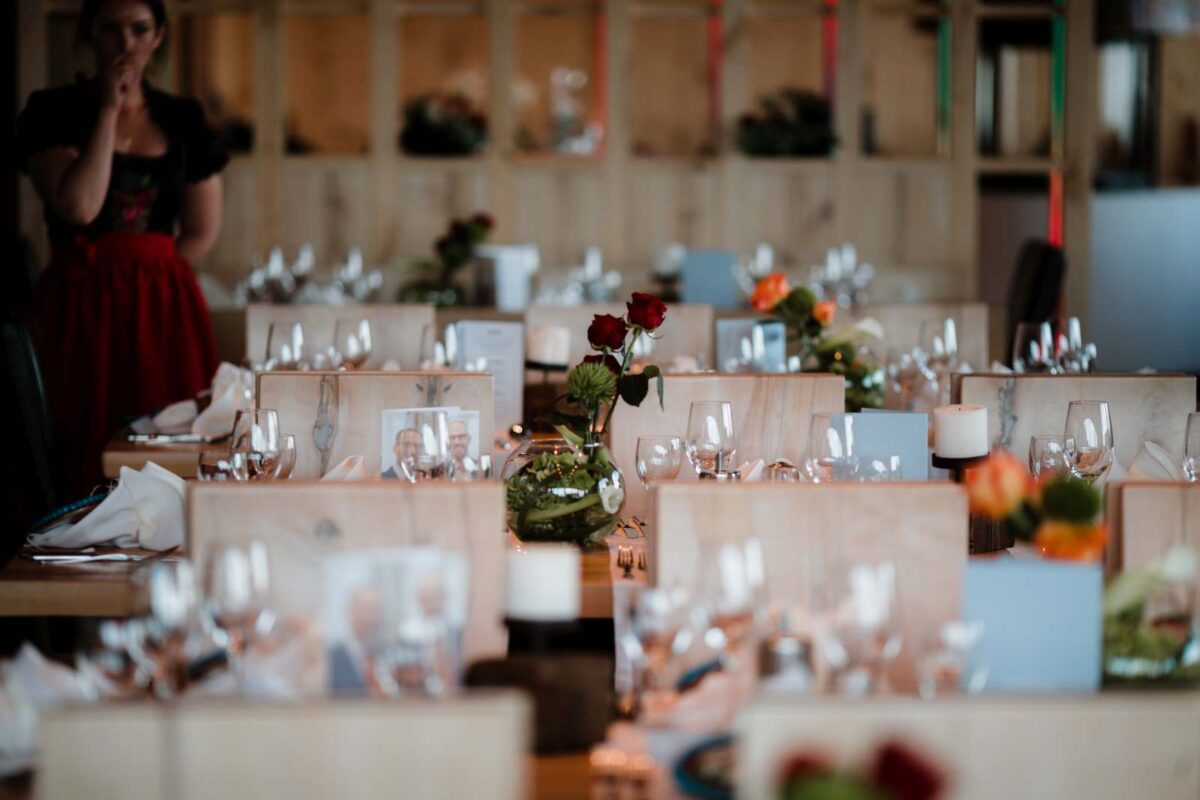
560, 210
667, 202
789, 206
427, 195
329, 206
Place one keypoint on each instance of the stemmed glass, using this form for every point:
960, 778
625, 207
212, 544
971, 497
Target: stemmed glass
471, 469
658, 458
236, 591
430, 455
1033, 347
287, 458
829, 451
939, 343
1046, 455
256, 435
1088, 440
655, 635
950, 662
1191, 448
105, 660
222, 464
411, 657
863, 635
172, 595
711, 441
351, 343
285, 346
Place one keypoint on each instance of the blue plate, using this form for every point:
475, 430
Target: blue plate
689, 779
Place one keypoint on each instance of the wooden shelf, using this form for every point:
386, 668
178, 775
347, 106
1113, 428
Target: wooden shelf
1017, 165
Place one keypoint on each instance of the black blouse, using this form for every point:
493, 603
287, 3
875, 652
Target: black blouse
145, 193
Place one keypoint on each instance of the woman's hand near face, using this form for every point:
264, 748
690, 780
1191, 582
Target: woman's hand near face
117, 79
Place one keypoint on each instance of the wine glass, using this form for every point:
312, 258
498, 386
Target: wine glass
829, 451
351, 343
711, 442
1088, 440
1033, 347
1046, 455
879, 469
105, 661
939, 342
222, 464
236, 590
256, 435
654, 634
1191, 448
287, 458
171, 593
411, 657
725, 597
285, 346
949, 661
429, 453
863, 635
658, 458
471, 469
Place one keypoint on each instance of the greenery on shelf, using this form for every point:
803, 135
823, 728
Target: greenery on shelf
791, 122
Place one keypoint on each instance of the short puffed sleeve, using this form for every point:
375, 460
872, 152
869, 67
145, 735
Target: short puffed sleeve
204, 155
51, 118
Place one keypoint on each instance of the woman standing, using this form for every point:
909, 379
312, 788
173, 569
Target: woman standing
128, 176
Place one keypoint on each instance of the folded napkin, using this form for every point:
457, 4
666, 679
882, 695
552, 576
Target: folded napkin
29, 684
391, 365
1153, 463
751, 470
177, 417
145, 510
232, 391
351, 468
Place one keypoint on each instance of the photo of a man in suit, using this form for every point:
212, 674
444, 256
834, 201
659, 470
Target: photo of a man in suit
460, 442
408, 440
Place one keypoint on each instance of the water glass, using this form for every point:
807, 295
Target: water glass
471, 469
658, 458
654, 634
1088, 440
285, 346
729, 586
256, 435
879, 469
105, 662
287, 458
711, 441
949, 662
829, 451
351, 343
863, 633
1191, 448
171, 594
413, 654
1033, 347
1046, 455
222, 464
237, 584
428, 454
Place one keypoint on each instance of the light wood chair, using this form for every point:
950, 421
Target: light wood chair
902, 324
771, 416
396, 329
1107, 747
338, 414
807, 531
1145, 519
687, 331
304, 523
475, 745
1143, 407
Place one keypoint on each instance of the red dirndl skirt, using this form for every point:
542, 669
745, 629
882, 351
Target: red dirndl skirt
122, 329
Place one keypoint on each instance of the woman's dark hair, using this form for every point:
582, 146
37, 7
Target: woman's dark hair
87, 18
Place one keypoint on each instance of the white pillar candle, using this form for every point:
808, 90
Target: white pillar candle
548, 345
543, 583
960, 431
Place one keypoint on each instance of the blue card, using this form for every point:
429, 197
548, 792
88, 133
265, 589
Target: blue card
895, 433
709, 276
1041, 623
751, 345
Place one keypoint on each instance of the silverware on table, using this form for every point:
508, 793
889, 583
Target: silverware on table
641, 560
638, 523
625, 560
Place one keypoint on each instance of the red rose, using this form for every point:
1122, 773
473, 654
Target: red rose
904, 774
607, 331
646, 311
484, 221
607, 360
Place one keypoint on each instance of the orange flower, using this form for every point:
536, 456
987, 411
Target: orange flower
823, 311
999, 486
1071, 541
769, 291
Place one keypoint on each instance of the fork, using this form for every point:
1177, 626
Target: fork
625, 560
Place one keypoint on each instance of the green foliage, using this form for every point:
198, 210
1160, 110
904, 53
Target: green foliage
1071, 499
831, 787
442, 125
864, 381
791, 122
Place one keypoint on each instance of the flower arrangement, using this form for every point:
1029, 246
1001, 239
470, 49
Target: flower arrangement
452, 250
896, 773
791, 122
1060, 515
1149, 622
571, 490
442, 125
808, 320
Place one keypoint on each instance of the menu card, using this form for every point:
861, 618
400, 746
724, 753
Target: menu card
891, 433
502, 346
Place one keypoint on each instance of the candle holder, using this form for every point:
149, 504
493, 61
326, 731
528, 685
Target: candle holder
984, 535
957, 465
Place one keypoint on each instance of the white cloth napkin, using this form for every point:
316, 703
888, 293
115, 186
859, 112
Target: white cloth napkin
350, 468
751, 470
145, 510
1153, 463
177, 417
391, 365
232, 391
29, 684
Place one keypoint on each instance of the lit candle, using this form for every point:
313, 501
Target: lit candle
960, 431
548, 345
543, 583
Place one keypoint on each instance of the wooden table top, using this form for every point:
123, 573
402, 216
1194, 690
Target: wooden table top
180, 459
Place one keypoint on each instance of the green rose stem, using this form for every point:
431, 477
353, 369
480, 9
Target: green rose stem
612, 404
543, 514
